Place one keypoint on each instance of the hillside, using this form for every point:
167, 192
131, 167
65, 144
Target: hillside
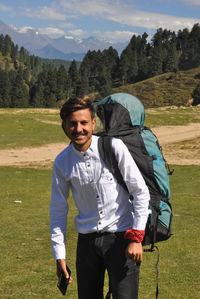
166, 89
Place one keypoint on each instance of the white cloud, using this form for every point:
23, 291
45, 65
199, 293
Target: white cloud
88, 7
45, 13
24, 29
78, 32
116, 35
52, 31
5, 8
154, 20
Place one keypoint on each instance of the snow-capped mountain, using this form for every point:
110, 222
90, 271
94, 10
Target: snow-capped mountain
65, 47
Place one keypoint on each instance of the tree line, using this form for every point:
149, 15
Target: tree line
28, 81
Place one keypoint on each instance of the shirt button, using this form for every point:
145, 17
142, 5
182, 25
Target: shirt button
88, 165
99, 223
97, 196
101, 212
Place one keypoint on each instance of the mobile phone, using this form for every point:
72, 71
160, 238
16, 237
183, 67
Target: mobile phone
63, 281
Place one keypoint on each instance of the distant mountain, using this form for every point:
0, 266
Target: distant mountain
52, 53
64, 47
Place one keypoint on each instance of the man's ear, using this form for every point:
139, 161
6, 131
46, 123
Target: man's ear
94, 122
63, 127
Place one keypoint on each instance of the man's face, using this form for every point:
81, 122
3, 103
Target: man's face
79, 127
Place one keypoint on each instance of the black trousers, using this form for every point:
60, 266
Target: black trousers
97, 252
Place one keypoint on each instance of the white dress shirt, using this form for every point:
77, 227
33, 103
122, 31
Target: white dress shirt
103, 205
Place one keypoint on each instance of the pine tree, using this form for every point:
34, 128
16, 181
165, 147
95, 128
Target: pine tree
132, 72
157, 62
74, 76
6, 45
50, 88
38, 99
124, 63
171, 62
83, 84
62, 83
4, 89
19, 93
105, 82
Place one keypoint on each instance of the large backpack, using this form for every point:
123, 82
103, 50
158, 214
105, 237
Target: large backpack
122, 116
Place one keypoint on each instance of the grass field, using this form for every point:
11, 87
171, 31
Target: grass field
27, 267
28, 270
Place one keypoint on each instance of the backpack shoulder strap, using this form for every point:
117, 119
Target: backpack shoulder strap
107, 155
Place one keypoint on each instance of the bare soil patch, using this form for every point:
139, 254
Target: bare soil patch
170, 138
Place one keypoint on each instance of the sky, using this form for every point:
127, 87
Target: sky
114, 20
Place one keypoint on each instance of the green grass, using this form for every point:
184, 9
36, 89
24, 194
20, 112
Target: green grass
28, 269
22, 127
172, 117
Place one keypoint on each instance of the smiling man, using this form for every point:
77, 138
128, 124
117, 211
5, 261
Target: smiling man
110, 234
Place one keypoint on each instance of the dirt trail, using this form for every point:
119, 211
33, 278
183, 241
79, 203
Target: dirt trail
45, 155
171, 134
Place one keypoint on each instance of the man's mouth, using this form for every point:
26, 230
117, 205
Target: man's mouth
79, 137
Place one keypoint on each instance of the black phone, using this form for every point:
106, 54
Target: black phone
63, 281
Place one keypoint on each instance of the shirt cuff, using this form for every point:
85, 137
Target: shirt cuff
134, 235
59, 252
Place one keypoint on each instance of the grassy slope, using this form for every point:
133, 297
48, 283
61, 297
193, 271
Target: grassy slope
166, 89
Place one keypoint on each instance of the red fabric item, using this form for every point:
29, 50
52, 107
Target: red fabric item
134, 235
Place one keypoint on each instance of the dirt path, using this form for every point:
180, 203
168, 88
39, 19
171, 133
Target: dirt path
44, 155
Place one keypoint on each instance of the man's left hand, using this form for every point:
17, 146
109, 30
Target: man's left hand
134, 252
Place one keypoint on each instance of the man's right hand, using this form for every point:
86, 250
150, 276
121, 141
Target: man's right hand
61, 266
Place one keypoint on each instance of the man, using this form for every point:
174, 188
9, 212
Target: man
110, 234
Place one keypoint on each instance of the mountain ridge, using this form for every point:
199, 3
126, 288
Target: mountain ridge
64, 47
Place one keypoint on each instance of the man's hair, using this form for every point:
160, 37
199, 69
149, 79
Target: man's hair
76, 103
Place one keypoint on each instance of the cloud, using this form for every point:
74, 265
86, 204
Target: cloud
45, 13
154, 20
5, 8
24, 29
78, 32
52, 31
125, 13
88, 7
116, 35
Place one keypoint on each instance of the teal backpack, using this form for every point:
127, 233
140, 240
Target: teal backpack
122, 116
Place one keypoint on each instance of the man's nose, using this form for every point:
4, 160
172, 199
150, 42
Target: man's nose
78, 128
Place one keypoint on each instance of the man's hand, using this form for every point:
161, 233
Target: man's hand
134, 252
61, 266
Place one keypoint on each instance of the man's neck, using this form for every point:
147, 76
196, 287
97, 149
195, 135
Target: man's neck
82, 147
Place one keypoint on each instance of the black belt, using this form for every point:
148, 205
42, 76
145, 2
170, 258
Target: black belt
101, 233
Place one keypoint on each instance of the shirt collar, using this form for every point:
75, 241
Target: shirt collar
91, 148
